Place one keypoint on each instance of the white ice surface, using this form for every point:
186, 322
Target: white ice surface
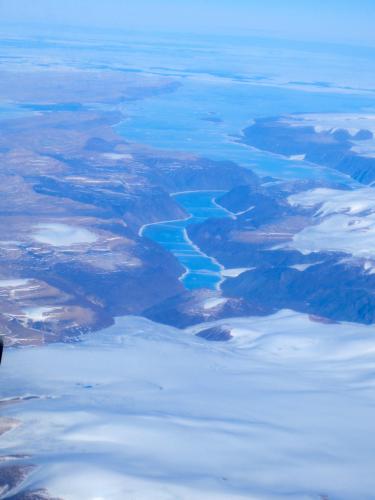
345, 221
60, 235
234, 272
302, 267
138, 411
352, 122
14, 283
118, 156
214, 302
39, 313
297, 157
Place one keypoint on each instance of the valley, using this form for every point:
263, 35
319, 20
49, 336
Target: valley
187, 268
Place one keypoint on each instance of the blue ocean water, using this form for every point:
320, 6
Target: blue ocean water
201, 270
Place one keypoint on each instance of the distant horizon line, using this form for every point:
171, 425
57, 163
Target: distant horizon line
258, 35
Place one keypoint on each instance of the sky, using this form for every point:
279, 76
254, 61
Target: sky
339, 21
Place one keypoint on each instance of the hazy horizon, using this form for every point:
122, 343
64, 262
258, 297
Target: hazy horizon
337, 22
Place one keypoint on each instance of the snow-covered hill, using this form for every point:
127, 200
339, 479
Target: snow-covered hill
141, 410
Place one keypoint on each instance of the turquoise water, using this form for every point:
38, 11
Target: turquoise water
201, 270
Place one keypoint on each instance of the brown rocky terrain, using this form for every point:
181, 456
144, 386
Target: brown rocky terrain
73, 197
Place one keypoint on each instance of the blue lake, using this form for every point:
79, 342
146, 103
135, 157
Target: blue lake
201, 270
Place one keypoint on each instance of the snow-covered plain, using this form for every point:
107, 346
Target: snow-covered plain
140, 410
